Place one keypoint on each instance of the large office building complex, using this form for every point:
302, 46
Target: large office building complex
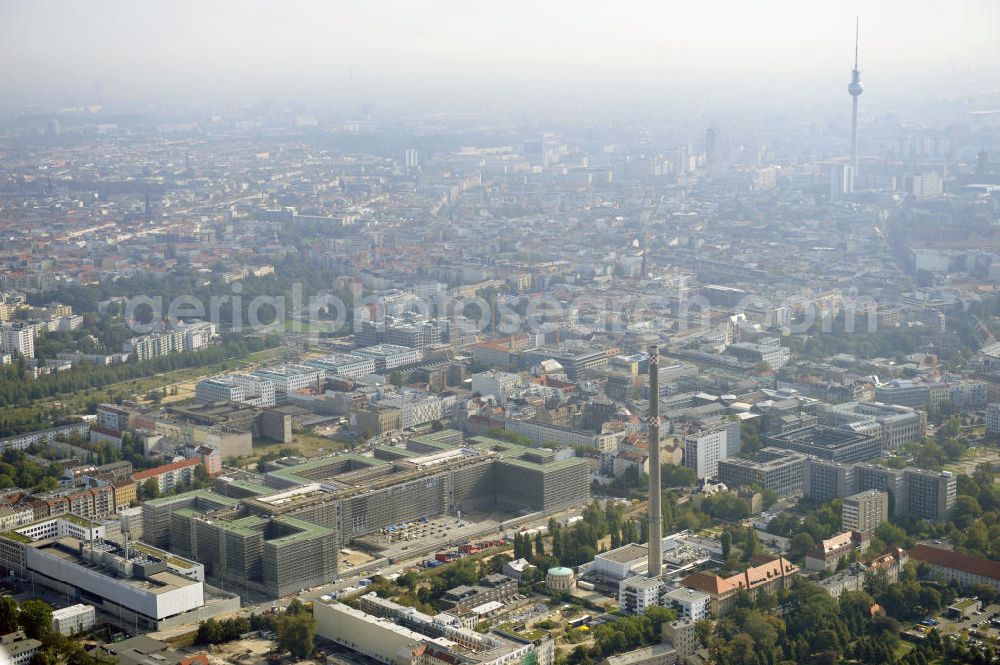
135, 586
910, 492
893, 425
285, 536
782, 474
838, 444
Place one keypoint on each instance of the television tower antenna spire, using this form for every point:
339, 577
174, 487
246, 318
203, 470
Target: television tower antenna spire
854, 90
857, 28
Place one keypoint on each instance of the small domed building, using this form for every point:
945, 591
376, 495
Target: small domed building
559, 579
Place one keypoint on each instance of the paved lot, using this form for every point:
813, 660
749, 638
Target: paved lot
986, 632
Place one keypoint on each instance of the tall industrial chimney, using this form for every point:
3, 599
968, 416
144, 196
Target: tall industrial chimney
655, 520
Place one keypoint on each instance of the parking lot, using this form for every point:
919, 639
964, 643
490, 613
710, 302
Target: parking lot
976, 627
418, 536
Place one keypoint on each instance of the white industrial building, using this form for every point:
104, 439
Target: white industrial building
418, 407
17, 649
138, 587
689, 603
638, 592
342, 364
244, 388
74, 619
291, 378
390, 356
621, 562
496, 383
704, 450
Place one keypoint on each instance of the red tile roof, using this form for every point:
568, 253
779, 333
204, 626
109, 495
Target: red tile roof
763, 572
166, 468
973, 565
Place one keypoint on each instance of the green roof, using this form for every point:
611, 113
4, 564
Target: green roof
294, 473
512, 454
188, 512
194, 494
545, 467
488, 442
252, 487
77, 520
436, 439
306, 531
171, 559
243, 526
16, 537
69, 517
399, 452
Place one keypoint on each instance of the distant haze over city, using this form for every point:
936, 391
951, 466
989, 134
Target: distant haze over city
550, 54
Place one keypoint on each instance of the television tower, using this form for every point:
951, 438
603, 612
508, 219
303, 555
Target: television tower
854, 89
655, 560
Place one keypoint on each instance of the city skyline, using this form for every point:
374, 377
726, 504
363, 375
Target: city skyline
564, 333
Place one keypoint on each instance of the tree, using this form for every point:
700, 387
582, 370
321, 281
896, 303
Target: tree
727, 543
43, 657
673, 475
464, 572
751, 545
201, 477
295, 633
396, 378
150, 489
497, 562
967, 510
893, 536
8, 615
47, 484
984, 592
35, 618
210, 632
703, 630
659, 615
855, 610
409, 579
801, 543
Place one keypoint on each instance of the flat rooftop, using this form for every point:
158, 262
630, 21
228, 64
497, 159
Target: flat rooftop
822, 436
68, 549
625, 553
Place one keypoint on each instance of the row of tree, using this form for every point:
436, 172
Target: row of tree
19, 470
294, 629
34, 617
19, 393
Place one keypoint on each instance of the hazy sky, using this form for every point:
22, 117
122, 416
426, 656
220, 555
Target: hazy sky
355, 49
